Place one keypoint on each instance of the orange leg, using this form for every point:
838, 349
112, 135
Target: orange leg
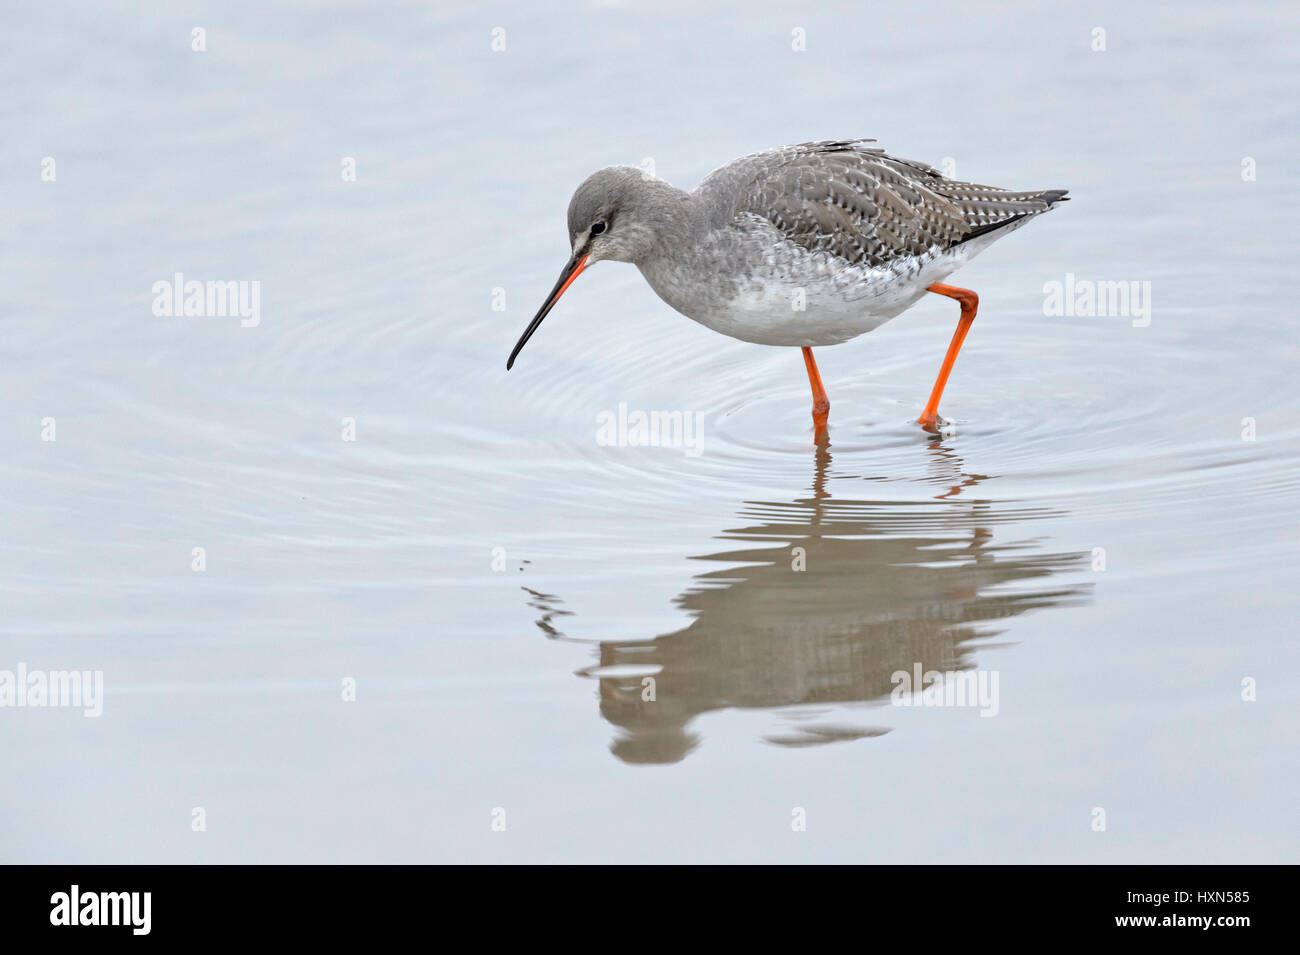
821, 404
969, 303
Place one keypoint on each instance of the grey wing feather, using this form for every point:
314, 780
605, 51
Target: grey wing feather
852, 200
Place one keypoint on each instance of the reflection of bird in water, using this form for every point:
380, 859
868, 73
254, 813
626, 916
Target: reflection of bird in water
884, 586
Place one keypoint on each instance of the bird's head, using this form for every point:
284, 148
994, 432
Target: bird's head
608, 216
618, 213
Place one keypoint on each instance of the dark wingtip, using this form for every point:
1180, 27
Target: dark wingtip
1049, 196
988, 227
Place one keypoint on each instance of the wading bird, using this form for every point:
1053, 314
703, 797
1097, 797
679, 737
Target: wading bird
802, 246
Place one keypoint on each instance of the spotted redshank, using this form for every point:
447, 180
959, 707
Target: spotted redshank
801, 246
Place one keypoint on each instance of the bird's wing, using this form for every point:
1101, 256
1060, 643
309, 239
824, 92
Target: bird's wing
851, 199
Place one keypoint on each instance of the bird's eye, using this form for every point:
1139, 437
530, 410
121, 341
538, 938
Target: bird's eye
598, 228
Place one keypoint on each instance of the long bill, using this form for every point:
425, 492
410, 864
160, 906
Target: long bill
571, 272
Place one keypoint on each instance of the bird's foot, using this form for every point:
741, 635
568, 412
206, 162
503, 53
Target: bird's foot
938, 424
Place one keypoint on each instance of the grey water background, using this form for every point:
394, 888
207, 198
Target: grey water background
520, 688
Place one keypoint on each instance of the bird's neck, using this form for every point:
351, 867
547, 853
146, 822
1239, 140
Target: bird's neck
673, 218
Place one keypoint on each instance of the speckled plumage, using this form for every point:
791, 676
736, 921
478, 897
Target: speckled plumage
809, 245
858, 203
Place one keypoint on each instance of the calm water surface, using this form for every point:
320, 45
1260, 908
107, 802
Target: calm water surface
1111, 531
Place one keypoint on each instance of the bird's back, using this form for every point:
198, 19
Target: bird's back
852, 200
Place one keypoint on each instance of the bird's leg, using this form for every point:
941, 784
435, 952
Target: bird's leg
821, 404
969, 303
